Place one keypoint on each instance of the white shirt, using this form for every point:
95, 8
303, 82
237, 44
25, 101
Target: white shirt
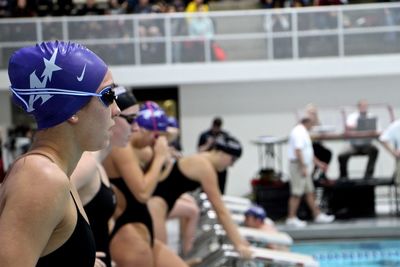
392, 134
299, 138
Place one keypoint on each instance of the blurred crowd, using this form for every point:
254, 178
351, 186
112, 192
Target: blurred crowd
33, 8
41, 8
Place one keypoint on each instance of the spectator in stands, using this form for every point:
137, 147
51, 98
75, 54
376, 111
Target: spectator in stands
151, 51
267, 4
143, 7
301, 156
65, 7
256, 217
196, 6
201, 25
116, 7
361, 146
178, 28
90, 8
390, 139
5, 6
321, 153
23, 8
207, 142
44, 8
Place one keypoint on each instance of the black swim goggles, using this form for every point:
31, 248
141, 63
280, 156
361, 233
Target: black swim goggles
131, 118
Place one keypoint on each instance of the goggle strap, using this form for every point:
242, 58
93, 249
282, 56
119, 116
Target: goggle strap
52, 91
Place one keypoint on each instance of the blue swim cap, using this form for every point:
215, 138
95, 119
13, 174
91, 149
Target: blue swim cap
173, 122
152, 117
53, 80
257, 212
229, 145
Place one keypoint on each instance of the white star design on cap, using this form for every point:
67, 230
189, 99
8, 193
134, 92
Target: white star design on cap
50, 66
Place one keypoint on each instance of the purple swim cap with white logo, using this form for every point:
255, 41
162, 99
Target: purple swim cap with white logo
53, 80
152, 117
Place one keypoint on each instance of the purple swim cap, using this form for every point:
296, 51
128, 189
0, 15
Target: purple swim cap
256, 211
53, 80
152, 117
172, 122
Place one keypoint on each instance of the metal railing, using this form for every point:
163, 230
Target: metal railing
296, 33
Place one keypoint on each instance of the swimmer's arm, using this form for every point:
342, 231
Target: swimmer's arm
34, 207
210, 187
140, 184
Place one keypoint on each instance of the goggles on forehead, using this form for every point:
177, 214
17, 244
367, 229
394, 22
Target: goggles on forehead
131, 118
106, 95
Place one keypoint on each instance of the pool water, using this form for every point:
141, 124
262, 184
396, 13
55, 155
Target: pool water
362, 253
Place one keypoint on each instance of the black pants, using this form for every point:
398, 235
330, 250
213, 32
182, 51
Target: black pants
323, 154
369, 150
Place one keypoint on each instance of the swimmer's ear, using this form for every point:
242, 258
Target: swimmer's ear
73, 119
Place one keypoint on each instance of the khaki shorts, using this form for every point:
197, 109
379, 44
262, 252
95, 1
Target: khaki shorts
299, 185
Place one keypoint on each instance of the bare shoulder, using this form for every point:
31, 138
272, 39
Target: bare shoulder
121, 152
85, 170
37, 183
197, 158
196, 166
34, 201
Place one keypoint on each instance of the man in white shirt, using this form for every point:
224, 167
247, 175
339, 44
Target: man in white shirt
302, 160
390, 139
362, 146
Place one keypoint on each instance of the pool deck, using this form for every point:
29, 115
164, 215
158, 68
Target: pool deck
376, 227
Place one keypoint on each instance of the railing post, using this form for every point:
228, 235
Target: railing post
168, 40
295, 36
65, 28
340, 32
136, 40
207, 49
269, 35
39, 31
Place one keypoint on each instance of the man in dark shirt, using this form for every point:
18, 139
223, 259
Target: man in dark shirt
206, 142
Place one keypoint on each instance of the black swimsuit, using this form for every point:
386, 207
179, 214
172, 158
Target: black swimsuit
99, 211
78, 250
135, 211
174, 186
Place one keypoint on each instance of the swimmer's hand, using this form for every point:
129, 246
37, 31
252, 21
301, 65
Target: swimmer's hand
245, 251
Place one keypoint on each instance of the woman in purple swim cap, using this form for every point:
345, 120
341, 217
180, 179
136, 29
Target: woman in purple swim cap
132, 239
69, 91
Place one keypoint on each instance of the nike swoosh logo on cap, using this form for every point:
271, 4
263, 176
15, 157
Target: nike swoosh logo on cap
80, 78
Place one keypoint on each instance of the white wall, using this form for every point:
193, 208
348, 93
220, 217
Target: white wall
251, 109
